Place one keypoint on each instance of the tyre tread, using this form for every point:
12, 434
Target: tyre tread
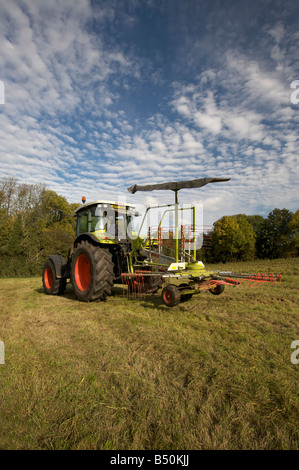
103, 276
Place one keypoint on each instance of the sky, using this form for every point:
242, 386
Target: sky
97, 96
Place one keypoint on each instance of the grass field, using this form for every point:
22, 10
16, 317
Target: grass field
211, 373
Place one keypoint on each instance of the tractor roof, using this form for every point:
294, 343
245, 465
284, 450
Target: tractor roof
115, 204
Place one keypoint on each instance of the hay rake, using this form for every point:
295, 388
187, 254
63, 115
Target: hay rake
182, 276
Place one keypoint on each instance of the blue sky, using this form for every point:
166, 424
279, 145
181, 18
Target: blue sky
101, 95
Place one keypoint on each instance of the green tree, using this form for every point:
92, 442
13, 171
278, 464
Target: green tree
8, 191
233, 238
55, 228
6, 224
31, 227
256, 221
16, 238
293, 231
274, 237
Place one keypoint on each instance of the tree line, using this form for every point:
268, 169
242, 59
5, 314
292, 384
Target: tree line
244, 237
31, 229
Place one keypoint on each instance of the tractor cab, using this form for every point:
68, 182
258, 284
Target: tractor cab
110, 222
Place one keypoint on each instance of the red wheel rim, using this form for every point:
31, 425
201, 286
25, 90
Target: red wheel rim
167, 296
82, 272
48, 278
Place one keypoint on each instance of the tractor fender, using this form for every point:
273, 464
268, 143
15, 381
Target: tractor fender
86, 236
59, 265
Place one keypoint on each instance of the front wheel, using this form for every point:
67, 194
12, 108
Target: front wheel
91, 272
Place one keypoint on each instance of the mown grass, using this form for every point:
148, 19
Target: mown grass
211, 373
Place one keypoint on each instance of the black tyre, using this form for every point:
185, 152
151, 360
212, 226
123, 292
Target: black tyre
91, 272
171, 295
154, 284
52, 284
185, 297
217, 290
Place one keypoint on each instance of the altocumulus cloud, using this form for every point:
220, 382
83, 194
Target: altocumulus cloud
103, 95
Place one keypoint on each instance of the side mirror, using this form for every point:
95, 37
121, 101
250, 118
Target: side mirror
61, 215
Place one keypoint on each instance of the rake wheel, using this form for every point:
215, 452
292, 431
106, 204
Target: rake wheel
171, 295
217, 290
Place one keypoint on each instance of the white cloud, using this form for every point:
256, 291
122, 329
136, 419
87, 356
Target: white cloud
72, 119
212, 123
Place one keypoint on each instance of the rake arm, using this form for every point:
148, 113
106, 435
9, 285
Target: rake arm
254, 279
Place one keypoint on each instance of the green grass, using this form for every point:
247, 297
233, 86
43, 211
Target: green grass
211, 373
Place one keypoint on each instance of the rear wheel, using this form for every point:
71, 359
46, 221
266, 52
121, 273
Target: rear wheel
171, 295
52, 284
91, 272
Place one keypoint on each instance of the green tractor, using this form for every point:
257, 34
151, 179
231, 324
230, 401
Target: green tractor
99, 254
108, 251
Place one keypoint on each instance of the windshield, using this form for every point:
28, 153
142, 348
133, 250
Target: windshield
112, 222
